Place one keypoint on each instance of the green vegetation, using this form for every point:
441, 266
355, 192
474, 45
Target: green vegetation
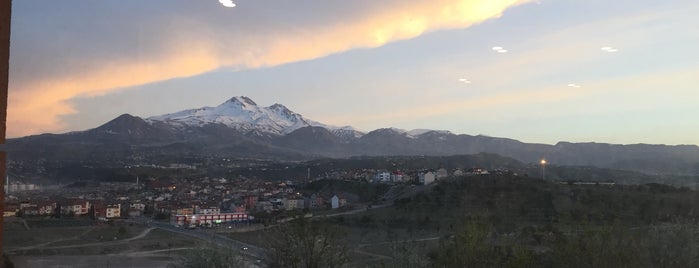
209, 257
304, 243
476, 244
511, 221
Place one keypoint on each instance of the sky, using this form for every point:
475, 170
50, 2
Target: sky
537, 71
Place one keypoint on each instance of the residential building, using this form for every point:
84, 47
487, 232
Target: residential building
264, 206
250, 201
207, 210
77, 207
113, 211
46, 208
427, 177
397, 176
293, 203
476, 171
441, 173
133, 213
138, 206
207, 219
185, 211
335, 202
382, 177
10, 210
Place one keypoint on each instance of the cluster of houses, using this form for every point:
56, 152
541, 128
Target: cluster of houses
205, 201
19, 187
423, 177
96, 209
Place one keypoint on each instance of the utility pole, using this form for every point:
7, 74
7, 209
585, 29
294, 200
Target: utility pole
5, 14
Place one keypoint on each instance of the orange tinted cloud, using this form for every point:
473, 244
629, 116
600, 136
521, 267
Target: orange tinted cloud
36, 104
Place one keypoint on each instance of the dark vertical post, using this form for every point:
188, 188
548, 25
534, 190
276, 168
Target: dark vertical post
5, 13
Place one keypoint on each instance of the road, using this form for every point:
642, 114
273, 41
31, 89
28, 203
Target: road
211, 236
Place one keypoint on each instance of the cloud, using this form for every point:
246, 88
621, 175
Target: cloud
59, 55
499, 49
227, 3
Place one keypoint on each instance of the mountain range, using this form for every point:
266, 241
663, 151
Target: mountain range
239, 128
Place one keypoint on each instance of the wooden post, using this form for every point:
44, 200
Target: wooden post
5, 13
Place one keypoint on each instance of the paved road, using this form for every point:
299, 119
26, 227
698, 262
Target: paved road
220, 240
355, 211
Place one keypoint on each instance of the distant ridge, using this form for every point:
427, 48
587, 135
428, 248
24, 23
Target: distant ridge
239, 128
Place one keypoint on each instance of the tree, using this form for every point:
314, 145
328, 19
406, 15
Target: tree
6, 262
306, 243
600, 246
474, 245
466, 248
209, 257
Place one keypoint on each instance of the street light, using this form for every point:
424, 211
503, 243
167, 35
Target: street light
543, 169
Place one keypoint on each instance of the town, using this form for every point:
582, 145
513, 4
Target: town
210, 202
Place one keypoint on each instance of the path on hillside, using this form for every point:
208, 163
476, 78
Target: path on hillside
359, 251
104, 243
399, 241
152, 252
42, 245
143, 234
26, 226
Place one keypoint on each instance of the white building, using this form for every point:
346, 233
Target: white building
209, 210
427, 177
113, 211
476, 171
397, 177
138, 206
291, 204
382, 177
334, 202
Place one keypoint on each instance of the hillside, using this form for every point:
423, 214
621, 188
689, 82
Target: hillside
239, 129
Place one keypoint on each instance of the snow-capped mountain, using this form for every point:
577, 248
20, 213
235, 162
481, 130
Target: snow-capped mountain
242, 113
420, 131
241, 129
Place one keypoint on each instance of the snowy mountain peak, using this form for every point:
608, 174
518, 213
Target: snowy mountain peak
418, 132
243, 114
281, 109
391, 130
241, 100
